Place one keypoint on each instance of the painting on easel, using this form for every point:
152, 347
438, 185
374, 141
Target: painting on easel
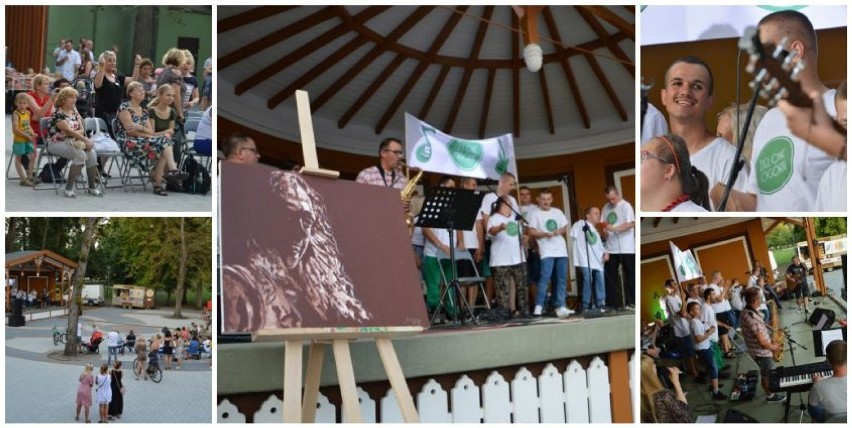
305, 252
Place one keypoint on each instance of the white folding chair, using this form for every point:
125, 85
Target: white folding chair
96, 125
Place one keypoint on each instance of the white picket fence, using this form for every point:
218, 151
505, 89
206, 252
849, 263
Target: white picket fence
576, 396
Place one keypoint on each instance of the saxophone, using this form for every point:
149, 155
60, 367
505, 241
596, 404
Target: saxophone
406, 194
777, 333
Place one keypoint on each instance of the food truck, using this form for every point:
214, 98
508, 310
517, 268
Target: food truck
132, 296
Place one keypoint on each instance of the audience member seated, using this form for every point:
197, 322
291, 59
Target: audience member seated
669, 181
67, 138
827, 399
658, 404
140, 142
203, 143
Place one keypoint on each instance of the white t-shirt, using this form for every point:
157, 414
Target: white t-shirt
432, 250
737, 298
504, 246
485, 207
715, 161
831, 196
654, 124
205, 127
762, 297
526, 211
621, 242
69, 67
112, 338
595, 247
708, 316
723, 306
830, 393
688, 206
679, 324
698, 328
786, 170
417, 237
548, 221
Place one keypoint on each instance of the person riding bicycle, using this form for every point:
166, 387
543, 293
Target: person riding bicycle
141, 355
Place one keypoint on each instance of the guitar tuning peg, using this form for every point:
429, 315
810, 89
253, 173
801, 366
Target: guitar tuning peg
761, 75
771, 86
787, 64
750, 66
794, 74
779, 96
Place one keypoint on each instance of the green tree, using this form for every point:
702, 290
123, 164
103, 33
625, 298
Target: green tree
89, 236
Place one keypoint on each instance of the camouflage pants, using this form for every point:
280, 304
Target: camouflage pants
503, 276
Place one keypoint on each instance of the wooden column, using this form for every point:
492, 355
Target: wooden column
26, 33
619, 383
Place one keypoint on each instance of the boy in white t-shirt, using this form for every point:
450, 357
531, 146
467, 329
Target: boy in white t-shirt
701, 334
548, 226
590, 256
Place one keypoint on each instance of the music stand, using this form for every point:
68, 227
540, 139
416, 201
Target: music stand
451, 209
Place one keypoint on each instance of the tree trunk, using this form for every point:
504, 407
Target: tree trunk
77, 290
143, 34
44, 233
181, 270
10, 235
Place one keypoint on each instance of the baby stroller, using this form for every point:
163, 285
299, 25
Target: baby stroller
154, 371
93, 345
85, 96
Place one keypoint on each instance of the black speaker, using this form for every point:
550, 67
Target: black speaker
734, 416
16, 319
818, 314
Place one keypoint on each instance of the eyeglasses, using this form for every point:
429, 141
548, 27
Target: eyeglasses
644, 154
396, 152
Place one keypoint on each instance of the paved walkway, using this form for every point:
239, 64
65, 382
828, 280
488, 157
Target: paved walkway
41, 383
20, 198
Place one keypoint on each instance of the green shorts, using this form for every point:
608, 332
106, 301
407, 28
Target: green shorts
23, 148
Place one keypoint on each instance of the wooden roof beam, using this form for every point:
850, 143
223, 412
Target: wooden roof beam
566, 68
545, 95
250, 16
436, 87
486, 103
422, 65
516, 77
308, 47
278, 36
468, 71
616, 21
608, 41
368, 93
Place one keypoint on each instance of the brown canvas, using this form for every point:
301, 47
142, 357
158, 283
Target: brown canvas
309, 252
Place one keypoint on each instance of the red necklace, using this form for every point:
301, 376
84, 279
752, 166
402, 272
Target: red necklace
680, 199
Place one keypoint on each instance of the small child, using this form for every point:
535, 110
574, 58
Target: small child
24, 140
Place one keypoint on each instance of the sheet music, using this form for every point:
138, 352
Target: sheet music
829, 336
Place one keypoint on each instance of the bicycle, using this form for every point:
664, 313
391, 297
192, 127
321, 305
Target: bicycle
153, 371
58, 337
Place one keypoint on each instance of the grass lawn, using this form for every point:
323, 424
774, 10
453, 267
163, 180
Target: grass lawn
783, 256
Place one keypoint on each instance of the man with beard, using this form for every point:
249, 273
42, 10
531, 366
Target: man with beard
687, 96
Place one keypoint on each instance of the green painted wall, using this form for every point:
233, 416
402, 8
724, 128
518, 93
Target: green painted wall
114, 25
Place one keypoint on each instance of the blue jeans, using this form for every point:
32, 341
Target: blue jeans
707, 357
587, 287
113, 351
547, 266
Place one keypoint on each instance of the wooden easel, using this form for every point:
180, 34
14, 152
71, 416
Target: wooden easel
303, 409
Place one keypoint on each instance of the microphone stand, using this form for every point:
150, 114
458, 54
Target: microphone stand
588, 271
738, 160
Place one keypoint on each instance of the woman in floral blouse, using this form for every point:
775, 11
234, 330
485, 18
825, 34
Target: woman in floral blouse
66, 138
141, 143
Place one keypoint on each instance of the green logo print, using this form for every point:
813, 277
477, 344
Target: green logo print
591, 238
512, 228
466, 154
502, 165
774, 166
424, 151
612, 217
550, 225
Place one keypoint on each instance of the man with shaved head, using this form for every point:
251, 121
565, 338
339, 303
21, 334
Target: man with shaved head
687, 96
785, 169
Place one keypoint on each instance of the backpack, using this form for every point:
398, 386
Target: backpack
198, 182
57, 167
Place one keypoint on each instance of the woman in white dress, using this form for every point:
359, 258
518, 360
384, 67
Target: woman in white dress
103, 393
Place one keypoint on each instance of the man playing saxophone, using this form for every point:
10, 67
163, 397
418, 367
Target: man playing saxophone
757, 340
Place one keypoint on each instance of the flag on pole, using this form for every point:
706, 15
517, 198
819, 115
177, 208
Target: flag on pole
432, 150
686, 267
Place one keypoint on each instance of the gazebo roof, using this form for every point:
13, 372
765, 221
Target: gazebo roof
25, 260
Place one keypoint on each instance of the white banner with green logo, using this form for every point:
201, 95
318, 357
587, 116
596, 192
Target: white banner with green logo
431, 150
686, 267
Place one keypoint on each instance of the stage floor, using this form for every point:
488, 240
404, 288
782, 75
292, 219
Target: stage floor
699, 398
253, 367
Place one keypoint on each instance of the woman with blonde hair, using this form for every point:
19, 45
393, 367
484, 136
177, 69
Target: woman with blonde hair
67, 138
190, 83
658, 404
142, 144
84, 392
104, 393
669, 181
171, 75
